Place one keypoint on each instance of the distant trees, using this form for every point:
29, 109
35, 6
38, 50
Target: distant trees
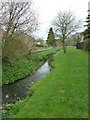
51, 38
16, 17
65, 24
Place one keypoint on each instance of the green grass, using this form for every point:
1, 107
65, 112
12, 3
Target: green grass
20, 68
62, 94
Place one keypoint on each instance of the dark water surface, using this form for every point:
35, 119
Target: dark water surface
19, 89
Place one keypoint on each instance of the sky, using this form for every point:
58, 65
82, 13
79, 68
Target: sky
48, 9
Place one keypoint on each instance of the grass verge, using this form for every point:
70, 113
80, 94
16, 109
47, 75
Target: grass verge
62, 94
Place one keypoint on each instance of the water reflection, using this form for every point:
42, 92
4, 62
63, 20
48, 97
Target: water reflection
19, 89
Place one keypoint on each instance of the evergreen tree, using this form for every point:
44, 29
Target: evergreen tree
86, 34
51, 38
87, 31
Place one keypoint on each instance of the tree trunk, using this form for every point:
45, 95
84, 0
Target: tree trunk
64, 47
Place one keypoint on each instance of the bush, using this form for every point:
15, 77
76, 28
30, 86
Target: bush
14, 48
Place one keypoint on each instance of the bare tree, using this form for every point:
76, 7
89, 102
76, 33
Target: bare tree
17, 16
65, 24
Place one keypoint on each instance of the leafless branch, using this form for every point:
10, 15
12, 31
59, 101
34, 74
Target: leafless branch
17, 15
66, 24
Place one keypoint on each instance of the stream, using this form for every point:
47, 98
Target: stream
19, 89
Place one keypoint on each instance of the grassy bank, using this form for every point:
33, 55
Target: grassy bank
62, 94
19, 68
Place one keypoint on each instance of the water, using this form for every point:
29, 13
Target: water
19, 89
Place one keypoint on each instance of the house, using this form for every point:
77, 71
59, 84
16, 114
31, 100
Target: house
80, 41
28, 40
85, 42
41, 42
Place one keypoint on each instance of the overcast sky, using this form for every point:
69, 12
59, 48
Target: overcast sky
48, 10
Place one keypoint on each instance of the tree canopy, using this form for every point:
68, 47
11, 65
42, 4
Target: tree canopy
86, 34
65, 24
16, 18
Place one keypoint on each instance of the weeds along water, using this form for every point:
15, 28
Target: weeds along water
22, 67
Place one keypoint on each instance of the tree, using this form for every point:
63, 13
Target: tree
65, 24
16, 17
86, 34
51, 38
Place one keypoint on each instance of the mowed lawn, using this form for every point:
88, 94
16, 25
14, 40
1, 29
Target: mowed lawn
61, 94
